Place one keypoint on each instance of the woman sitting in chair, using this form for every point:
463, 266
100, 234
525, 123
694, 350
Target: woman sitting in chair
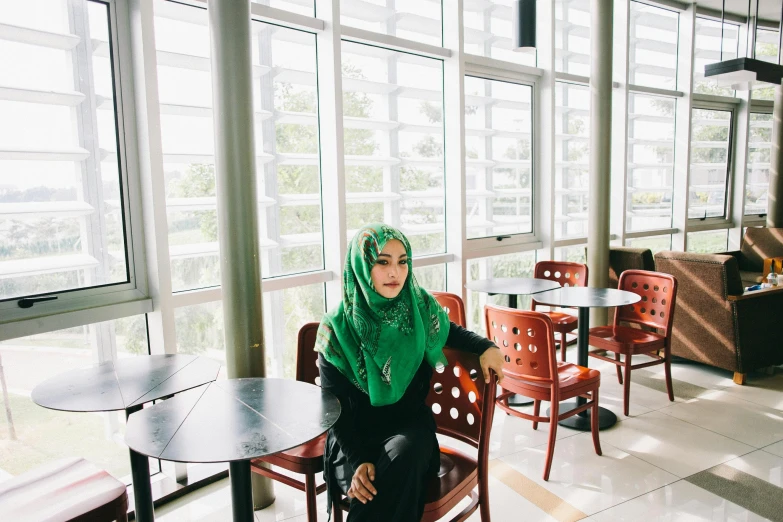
377, 351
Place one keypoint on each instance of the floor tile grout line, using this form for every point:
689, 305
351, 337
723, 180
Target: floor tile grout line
713, 431
636, 497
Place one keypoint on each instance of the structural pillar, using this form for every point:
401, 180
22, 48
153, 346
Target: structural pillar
775, 194
237, 207
601, 30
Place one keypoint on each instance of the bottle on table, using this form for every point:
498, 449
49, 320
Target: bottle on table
772, 278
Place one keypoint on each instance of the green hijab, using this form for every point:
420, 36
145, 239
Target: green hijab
376, 342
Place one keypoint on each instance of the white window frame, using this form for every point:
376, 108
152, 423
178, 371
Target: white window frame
484, 68
114, 300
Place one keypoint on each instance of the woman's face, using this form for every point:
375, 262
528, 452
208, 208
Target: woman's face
390, 270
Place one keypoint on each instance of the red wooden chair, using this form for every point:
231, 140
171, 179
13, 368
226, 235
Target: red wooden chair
67, 489
453, 305
567, 274
307, 459
531, 369
464, 406
655, 311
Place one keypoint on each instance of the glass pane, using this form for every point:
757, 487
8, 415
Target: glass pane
708, 50
488, 32
432, 278
286, 135
650, 162
410, 19
61, 206
303, 7
654, 243
653, 46
573, 254
572, 36
200, 327
499, 174
767, 50
509, 265
708, 242
572, 149
393, 113
759, 151
710, 140
43, 435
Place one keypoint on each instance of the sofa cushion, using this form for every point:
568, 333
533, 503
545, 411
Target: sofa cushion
759, 244
751, 278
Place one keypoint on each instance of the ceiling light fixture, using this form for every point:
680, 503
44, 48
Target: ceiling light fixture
523, 19
741, 73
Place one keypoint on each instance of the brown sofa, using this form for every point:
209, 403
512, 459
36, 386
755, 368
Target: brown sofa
757, 245
625, 258
714, 322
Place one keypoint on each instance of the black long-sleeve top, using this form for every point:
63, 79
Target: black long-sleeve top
361, 426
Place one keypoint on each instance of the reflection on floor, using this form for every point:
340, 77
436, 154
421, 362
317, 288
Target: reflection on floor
716, 453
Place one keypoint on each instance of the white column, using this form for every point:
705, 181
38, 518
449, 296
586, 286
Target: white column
600, 147
237, 208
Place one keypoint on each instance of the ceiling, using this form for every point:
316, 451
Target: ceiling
768, 9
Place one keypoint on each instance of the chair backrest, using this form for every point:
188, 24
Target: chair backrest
564, 272
453, 305
526, 339
658, 292
462, 402
306, 356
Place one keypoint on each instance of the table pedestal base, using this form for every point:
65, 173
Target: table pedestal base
519, 400
241, 491
581, 421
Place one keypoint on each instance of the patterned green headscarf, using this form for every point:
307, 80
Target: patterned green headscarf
376, 342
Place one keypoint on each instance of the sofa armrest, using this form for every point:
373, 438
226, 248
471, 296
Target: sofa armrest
742, 261
703, 327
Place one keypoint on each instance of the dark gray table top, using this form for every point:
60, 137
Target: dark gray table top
587, 297
512, 285
236, 419
124, 383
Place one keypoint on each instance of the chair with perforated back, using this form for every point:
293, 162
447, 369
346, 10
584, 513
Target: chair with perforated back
453, 305
655, 311
567, 274
463, 405
527, 342
66, 489
308, 458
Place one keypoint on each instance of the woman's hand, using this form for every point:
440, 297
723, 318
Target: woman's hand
361, 484
492, 359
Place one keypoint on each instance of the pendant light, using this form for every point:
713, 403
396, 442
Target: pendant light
523, 20
742, 73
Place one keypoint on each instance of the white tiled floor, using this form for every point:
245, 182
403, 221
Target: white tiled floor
638, 477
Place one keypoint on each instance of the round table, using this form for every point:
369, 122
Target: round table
585, 298
512, 287
126, 384
234, 421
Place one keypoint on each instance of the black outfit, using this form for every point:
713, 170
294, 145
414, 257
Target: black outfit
399, 439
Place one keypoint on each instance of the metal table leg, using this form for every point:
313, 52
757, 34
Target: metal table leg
241, 491
581, 421
140, 472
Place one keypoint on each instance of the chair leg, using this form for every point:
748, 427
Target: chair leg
536, 411
594, 423
484, 499
312, 509
554, 412
337, 511
667, 369
617, 366
563, 345
626, 383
